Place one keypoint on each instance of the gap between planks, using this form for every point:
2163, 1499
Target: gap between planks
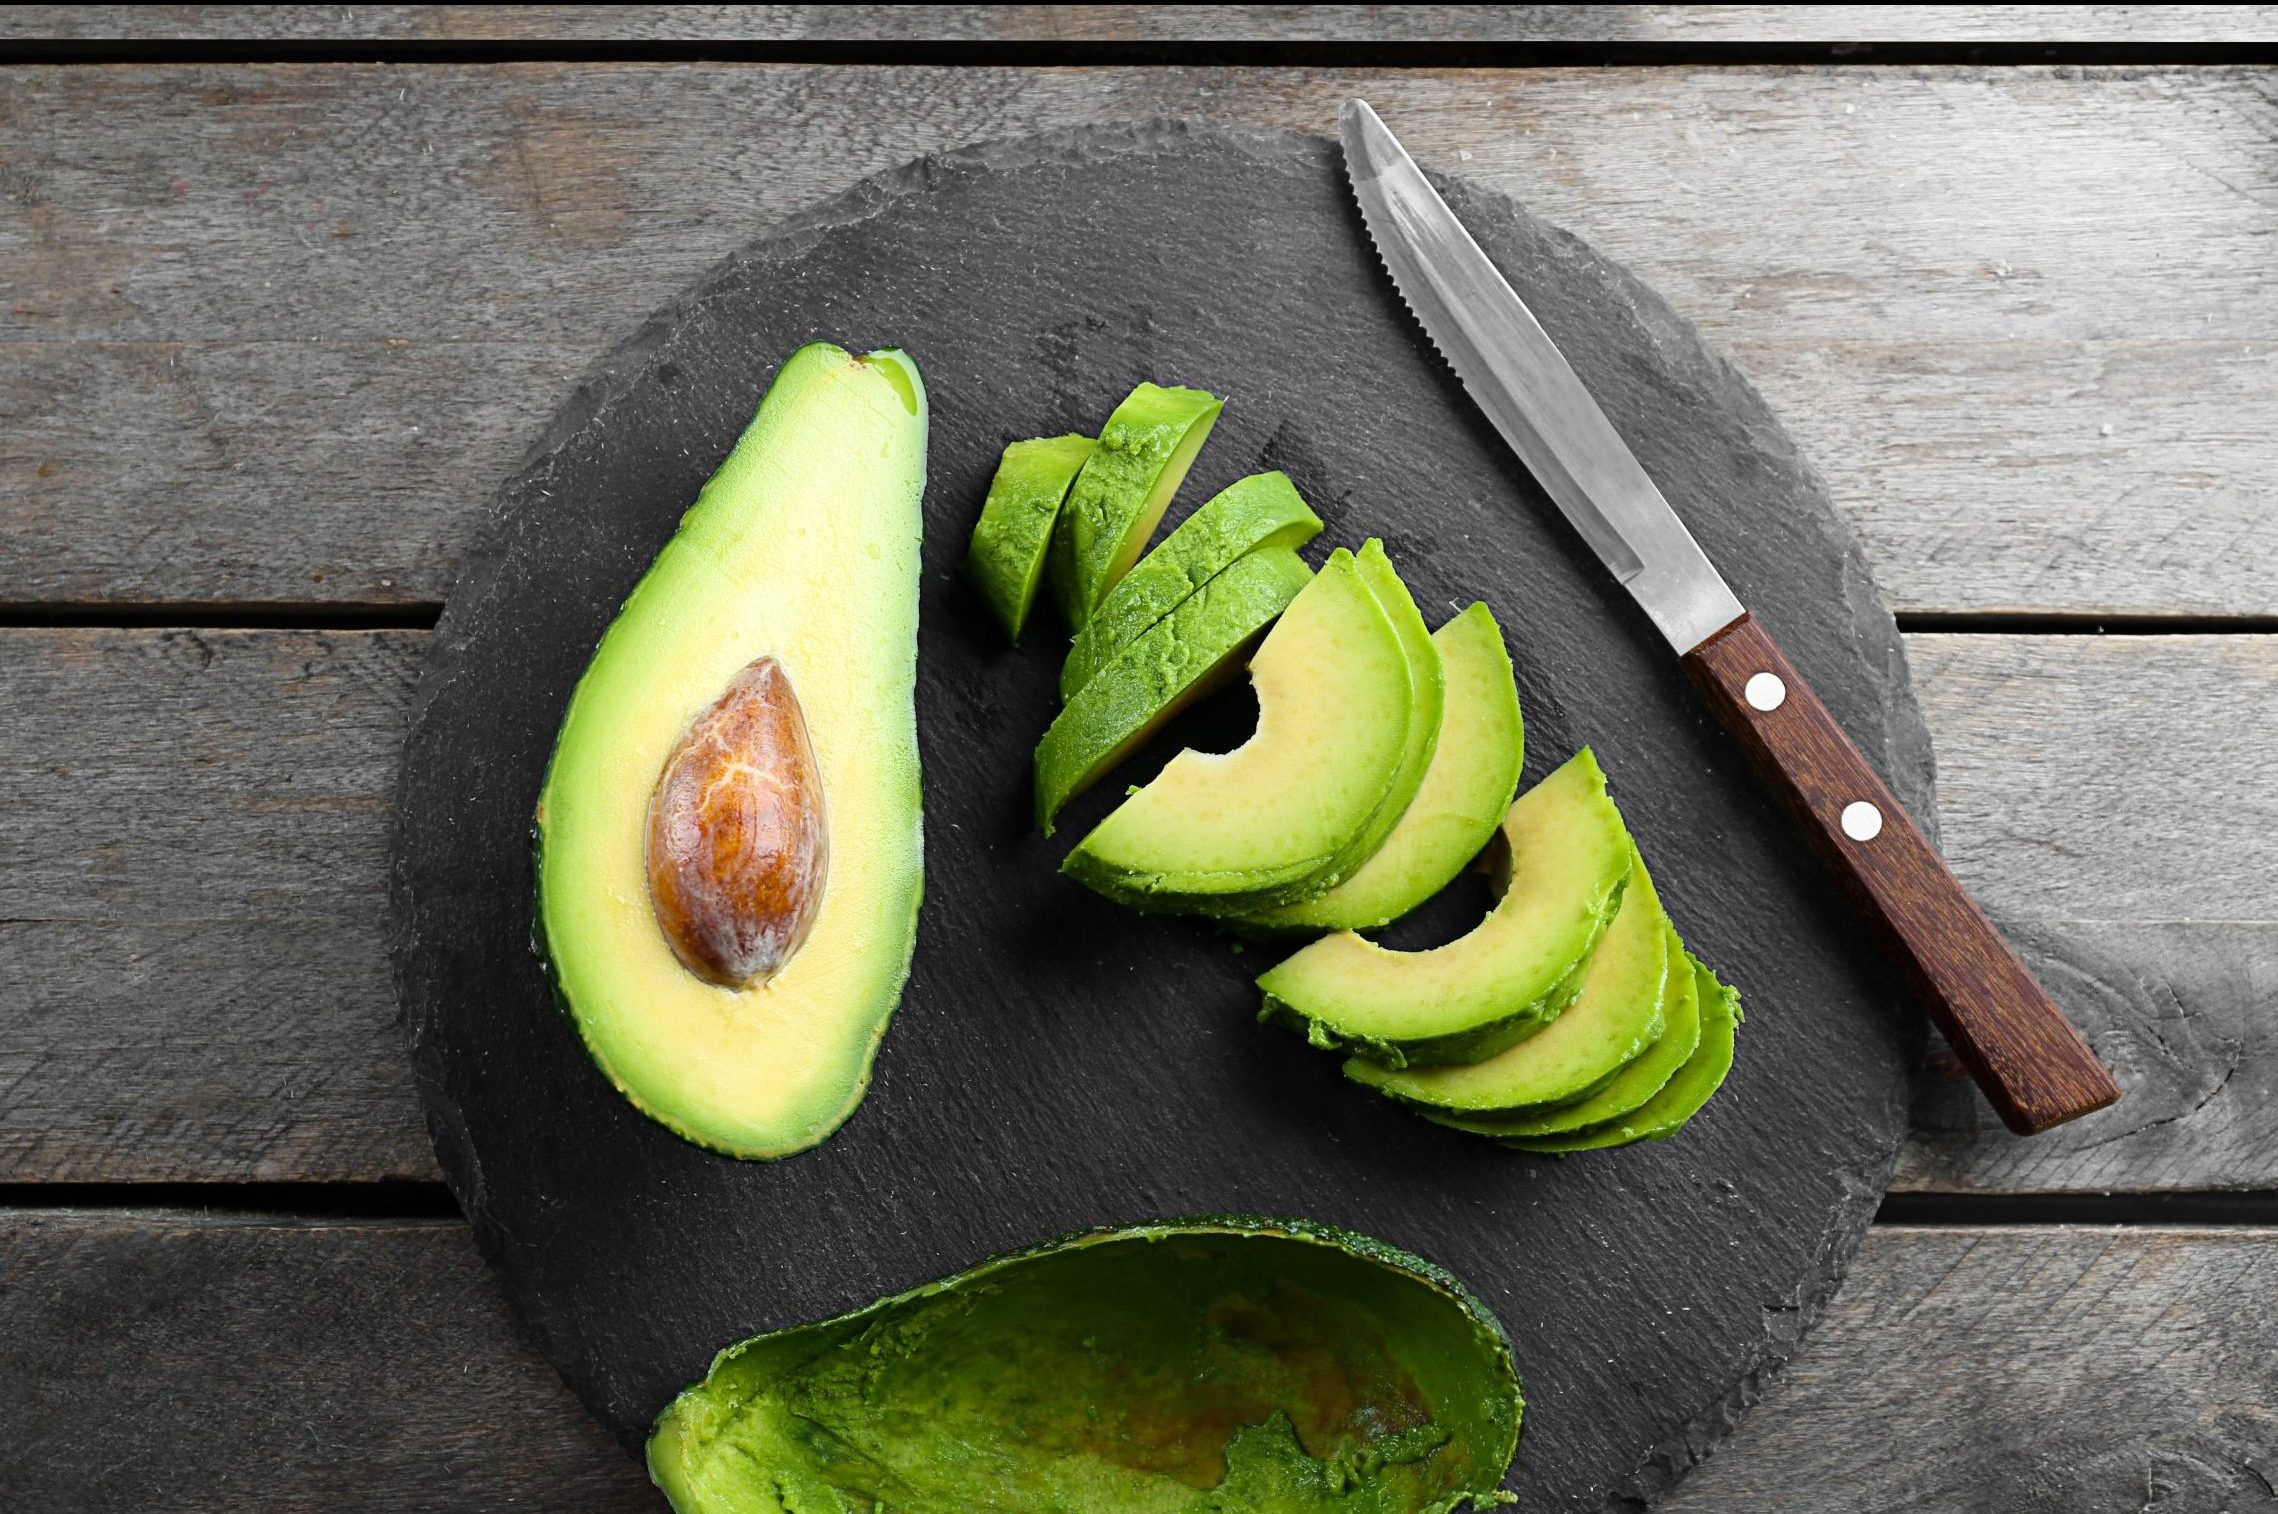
1504, 54
421, 615
420, 1203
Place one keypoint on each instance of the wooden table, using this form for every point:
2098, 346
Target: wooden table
279, 315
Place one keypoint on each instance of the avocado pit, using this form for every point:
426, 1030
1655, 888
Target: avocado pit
737, 841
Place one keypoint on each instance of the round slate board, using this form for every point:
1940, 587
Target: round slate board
1058, 1063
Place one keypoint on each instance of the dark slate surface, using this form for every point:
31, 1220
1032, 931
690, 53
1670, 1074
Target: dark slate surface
1058, 1063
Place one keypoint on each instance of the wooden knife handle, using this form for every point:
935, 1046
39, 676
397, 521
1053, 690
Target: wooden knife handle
2031, 1062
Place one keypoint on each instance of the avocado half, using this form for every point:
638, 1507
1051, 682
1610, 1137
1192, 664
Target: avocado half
729, 836
1220, 1365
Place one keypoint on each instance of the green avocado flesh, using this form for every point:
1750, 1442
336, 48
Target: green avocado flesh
1220, 833
1474, 772
1117, 500
1176, 661
1627, 1089
1427, 692
1514, 972
1613, 1019
802, 548
1663, 1115
1014, 534
1263, 510
1196, 1367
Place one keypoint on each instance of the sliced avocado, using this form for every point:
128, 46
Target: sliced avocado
1143, 454
1187, 1367
1263, 510
1014, 533
1663, 1115
771, 646
1176, 661
1474, 772
1611, 1022
1629, 1088
1427, 695
1218, 833
1512, 974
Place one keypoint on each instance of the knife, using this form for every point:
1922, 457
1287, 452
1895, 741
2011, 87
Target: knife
2031, 1062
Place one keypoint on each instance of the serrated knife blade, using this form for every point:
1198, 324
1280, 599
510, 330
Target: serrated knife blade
2031, 1062
1517, 375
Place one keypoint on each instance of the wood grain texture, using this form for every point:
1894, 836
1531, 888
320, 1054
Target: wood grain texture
1157, 23
172, 1361
208, 1366
2022, 1371
192, 885
2031, 1063
194, 983
2018, 318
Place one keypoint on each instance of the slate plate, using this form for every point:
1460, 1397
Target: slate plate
1058, 1063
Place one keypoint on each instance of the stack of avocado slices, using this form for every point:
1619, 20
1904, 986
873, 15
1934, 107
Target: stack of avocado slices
1385, 761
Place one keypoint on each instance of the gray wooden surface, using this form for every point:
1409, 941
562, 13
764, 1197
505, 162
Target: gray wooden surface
210, 1366
2019, 318
271, 334
1156, 23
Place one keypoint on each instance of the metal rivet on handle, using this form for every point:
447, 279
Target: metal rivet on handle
1765, 692
1862, 821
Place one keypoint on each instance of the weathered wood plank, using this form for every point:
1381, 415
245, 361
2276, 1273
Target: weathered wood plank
1157, 23
2019, 317
192, 980
199, 1365
2025, 1371
194, 1364
192, 895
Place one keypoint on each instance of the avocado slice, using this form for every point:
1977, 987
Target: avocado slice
1629, 1088
1512, 974
1263, 510
1183, 656
1663, 1115
1473, 774
1143, 454
770, 656
1427, 695
1185, 1367
1014, 533
1219, 833
1611, 1022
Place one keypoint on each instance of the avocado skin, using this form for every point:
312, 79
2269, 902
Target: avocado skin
1137, 1368
1143, 454
1251, 514
1014, 534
